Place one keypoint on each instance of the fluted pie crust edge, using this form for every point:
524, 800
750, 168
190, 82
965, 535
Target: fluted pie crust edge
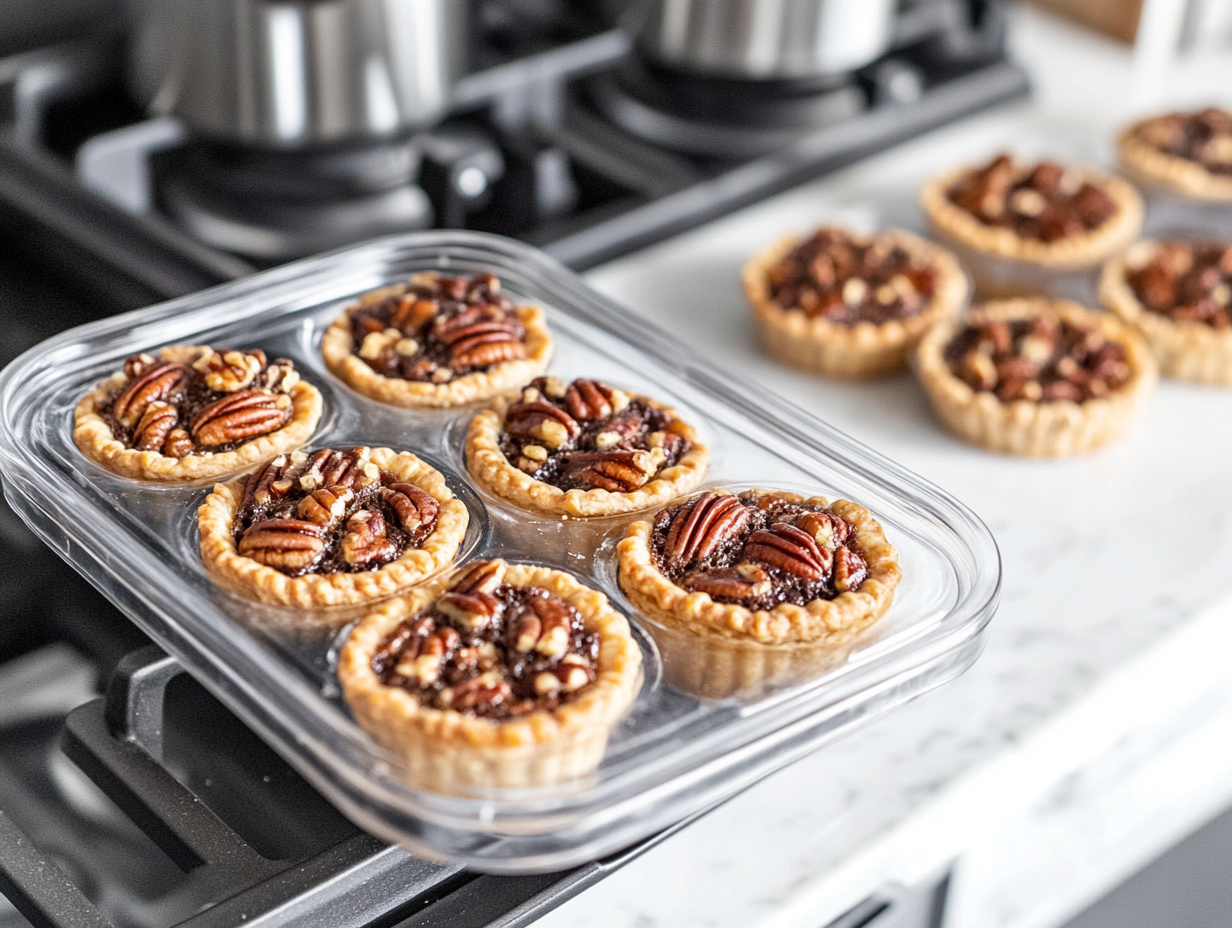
94, 438
717, 650
444, 751
491, 469
863, 350
1072, 253
230, 569
1185, 350
337, 348
1145, 162
1035, 429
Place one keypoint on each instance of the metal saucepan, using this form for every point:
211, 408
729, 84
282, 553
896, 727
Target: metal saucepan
762, 39
292, 73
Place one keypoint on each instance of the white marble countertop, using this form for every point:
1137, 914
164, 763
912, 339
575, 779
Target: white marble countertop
1093, 730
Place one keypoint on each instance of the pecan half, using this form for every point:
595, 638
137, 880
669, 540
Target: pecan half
366, 542
179, 444
156, 424
486, 688
472, 611
791, 549
483, 342
850, 570
412, 314
742, 582
415, 507
481, 577
588, 399
285, 544
568, 677
161, 381
698, 531
326, 506
424, 665
828, 530
241, 415
541, 422
543, 624
614, 471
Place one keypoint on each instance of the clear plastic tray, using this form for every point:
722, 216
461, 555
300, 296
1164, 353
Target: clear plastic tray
673, 754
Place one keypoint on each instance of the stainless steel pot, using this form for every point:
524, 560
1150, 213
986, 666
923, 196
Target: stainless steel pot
291, 73
763, 39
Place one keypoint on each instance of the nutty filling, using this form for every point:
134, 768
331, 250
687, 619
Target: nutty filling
437, 329
217, 403
330, 512
490, 649
1187, 283
588, 435
1046, 202
757, 550
1038, 359
1204, 137
839, 279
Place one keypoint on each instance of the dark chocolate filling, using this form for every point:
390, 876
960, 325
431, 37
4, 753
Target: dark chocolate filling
266, 501
481, 671
1204, 137
458, 326
587, 459
731, 573
1039, 359
1046, 203
1187, 283
847, 283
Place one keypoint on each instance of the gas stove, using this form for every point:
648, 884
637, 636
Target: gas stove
128, 795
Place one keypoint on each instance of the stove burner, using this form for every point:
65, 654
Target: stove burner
720, 117
274, 206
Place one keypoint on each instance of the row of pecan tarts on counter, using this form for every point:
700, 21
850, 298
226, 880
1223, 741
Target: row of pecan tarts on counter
498, 674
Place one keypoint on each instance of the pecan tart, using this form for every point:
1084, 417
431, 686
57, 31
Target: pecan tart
437, 341
756, 590
1179, 296
502, 676
583, 449
1036, 376
1013, 224
848, 305
331, 528
193, 412
1190, 153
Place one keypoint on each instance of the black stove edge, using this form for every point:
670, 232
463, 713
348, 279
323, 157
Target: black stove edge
583, 243
144, 250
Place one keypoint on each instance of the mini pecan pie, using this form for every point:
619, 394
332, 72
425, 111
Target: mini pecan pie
1190, 153
1046, 217
503, 676
437, 341
194, 412
1036, 376
756, 590
848, 305
583, 449
331, 527
1179, 296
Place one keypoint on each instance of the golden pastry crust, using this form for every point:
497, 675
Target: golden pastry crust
1035, 429
952, 224
863, 350
337, 347
491, 469
1143, 162
715, 650
1185, 350
449, 752
93, 436
228, 568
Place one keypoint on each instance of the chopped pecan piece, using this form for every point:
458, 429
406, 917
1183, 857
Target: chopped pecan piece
326, 506
230, 370
541, 421
471, 610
